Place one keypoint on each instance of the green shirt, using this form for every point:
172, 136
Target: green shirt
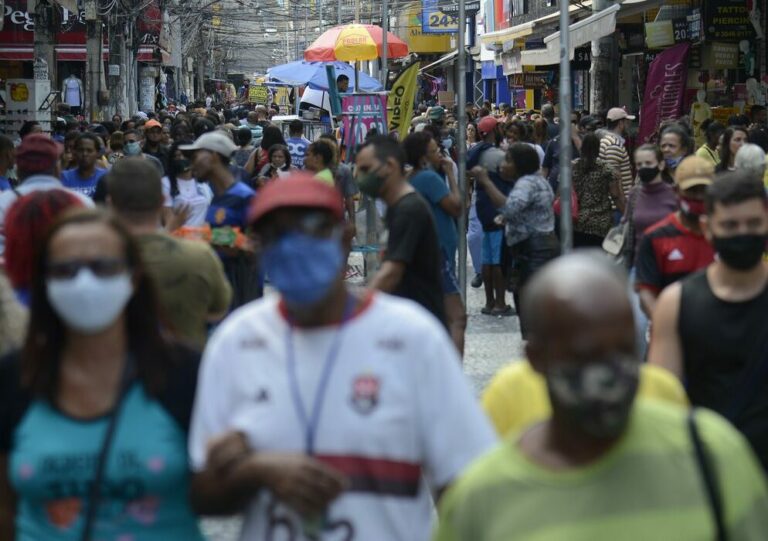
647, 487
326, 175
190, 283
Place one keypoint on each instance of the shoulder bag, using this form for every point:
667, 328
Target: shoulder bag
94, 494
708, 477
620, 240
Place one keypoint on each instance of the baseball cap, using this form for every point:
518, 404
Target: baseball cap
298, 190
149, 124
437, 113
37, 153
487, 124
214, 141
617, 113
589, 122
694, 171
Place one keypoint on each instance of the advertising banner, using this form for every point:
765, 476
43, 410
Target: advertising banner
401, 99
361, 113
664, 90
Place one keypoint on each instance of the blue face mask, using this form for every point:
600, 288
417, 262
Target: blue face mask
303, 268
673, 162
132, 148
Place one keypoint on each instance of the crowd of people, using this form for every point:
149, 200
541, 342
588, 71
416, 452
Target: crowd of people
149, 380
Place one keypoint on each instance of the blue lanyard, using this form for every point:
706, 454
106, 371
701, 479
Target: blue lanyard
311, 421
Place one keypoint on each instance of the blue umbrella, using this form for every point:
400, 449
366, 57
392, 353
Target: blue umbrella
313, 74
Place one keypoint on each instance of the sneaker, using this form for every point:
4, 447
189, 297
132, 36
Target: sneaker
477, 281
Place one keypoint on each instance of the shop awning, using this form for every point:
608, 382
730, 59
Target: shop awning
76, 53
599, 25
25, 54
498, 38
445, 59
637, 7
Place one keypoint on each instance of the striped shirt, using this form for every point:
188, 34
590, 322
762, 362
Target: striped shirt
648, 486
614, 153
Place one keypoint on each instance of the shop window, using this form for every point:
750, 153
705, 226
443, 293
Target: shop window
519, 7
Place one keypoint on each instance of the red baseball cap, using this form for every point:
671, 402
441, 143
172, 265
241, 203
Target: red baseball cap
37, 153
149, 124
298, 190
487, 124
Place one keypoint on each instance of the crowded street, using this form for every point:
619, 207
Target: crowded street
391, 270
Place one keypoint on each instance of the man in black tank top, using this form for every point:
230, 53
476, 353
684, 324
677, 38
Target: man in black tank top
710, 329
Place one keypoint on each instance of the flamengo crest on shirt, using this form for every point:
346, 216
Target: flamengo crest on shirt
365, 393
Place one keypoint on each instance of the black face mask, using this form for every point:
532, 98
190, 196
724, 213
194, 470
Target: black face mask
647, 174
740, 252
179, 166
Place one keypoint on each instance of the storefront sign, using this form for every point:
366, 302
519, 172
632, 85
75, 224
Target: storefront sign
511, 62
410, 30
722, 114
727, 20
694, 26
582, 58
258, 94
530, 79
659, 35
721, 56
664, 90
436, 21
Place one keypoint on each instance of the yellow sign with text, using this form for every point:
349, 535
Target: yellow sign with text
419, 42
400, 101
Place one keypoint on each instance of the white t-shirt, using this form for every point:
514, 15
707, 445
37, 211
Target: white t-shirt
196, 195
397, 412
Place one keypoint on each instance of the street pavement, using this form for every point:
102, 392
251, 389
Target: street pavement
491, 342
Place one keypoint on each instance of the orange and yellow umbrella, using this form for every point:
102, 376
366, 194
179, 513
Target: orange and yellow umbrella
353, 42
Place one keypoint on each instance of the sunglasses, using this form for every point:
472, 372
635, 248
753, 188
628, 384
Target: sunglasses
103, 268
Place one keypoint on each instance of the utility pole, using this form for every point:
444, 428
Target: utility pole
93, 59
461, 96
338, 14
602, 81
357, 11
566, 219
44, 37
118, 92
384, 51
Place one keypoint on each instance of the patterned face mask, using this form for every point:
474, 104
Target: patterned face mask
595, 398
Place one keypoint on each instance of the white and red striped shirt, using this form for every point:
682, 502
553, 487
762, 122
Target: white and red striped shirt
398, 416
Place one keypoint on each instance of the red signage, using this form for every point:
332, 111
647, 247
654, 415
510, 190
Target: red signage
19, 27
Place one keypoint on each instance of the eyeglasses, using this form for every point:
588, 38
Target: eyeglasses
103, 268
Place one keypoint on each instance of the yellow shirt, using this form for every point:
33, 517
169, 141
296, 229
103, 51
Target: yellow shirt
517, 396
708, 154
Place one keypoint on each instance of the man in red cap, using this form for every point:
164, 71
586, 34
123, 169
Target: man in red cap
39, 168
488, 155
153, 142
318, 409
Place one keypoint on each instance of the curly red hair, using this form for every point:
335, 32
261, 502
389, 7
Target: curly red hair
26, 224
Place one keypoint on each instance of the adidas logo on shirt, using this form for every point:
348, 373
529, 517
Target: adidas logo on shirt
675, 255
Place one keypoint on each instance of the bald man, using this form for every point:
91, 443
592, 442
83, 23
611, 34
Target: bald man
601, 461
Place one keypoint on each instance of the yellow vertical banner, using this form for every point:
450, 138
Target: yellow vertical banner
400, 101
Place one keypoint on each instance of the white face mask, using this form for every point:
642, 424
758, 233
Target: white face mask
89, 303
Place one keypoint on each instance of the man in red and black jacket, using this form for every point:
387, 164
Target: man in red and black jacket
675, 247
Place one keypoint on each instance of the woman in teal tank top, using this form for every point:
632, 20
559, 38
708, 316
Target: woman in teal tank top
95, 356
